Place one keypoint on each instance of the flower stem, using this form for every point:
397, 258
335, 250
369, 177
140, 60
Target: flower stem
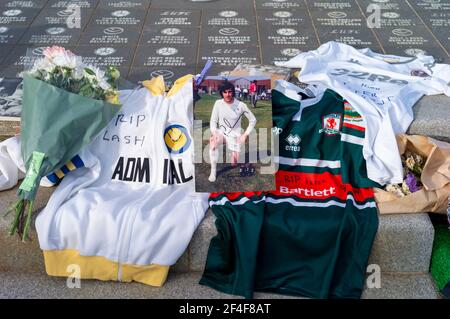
28, 221
18, 207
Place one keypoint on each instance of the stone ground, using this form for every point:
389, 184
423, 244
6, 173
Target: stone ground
174, 37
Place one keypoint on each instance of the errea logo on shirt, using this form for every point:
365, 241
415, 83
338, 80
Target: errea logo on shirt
293, 141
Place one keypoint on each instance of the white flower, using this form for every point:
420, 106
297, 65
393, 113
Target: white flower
104, 85
43, 64
395, 189
53, 51
67, 60
77, 73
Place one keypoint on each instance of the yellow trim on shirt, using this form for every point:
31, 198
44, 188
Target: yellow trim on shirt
179, 84
155, 85
57, 264
70, 166
59, 173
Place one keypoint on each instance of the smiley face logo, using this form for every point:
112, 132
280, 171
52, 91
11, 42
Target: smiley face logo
177, 139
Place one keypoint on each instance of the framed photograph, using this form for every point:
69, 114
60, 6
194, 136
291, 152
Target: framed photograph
233, 133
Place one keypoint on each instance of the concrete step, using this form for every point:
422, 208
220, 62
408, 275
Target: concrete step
184, 286
403, 243
431, 114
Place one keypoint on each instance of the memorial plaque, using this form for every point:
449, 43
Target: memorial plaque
124, 4
11, 34
384, 5
333, 5
430, 5
36, 4
17, 16
170, 35
226, 58
436, 51
179, 17
272, 54
443, 35
71, 17
87, 4
410, 37
399, 18
280, 4
230, 36
437, 19
327, 18
289, 36
164, 56
357, 37
227, 18
269, 19
102, 56
121, 17
203, 4
48, 35
22, 57
114, 35
170, 75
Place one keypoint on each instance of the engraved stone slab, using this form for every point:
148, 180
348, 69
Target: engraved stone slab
102, 56
11, 34
357, 37
71, 17
399, 19
226, 58
164, 56
17, 16
124, 4
384, 5
110, 35
443, 35
268, 19
203, 4
436, 19
37, 4
179, 17
121, 17
22, 57
280, 4
170, 74
404, 37
172, 35
230, 36
436, 51
271, 54
289, 36
430, 5
332, 5
225, 18
327, 18
87, 4
55, 34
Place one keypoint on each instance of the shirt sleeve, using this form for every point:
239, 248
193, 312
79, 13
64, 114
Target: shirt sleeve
214, 121
251, 119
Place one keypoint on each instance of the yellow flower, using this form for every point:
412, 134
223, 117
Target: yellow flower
112, 98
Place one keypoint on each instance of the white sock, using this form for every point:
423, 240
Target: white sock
213, 156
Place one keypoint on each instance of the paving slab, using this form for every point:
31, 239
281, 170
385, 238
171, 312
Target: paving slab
226, 30
184, 286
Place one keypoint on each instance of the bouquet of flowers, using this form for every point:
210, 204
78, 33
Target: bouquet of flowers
412, 170
66, 103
